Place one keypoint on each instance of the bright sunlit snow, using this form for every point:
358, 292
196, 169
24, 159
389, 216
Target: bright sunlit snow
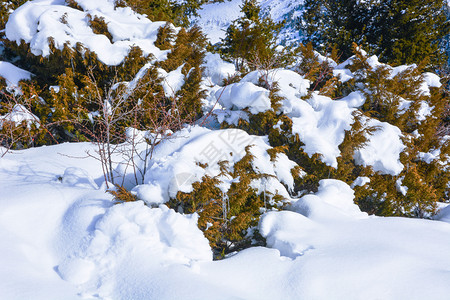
62, 236
37, 21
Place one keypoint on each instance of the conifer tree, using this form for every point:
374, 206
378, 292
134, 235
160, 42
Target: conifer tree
250, 40
398, 31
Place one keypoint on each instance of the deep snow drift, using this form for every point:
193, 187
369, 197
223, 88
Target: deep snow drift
62, 238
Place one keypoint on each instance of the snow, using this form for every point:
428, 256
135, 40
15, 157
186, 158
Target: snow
383, 149
63, 236
172, 81
36, 21
244, 95
215, 18
334, 200
401, 188
432, 80
68, 241
430, 156
176, 167
371, 258
354, 99
321, 124
216, 70
19, 114
343, 74
13, 75
319, 121
443, 214
360, 181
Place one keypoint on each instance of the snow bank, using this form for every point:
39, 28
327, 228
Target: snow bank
334, 200
384, 262
61, 240
159, 234
37, 21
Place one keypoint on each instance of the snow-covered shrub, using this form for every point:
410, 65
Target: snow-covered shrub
384, 121
414, 102
228, 204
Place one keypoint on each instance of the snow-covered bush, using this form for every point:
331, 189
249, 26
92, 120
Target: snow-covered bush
384, 121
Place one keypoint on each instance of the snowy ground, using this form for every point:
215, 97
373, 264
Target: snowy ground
62, 238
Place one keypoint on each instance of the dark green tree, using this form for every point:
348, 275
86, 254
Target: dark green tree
398, 31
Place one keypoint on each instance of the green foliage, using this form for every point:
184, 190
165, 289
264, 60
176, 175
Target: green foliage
425, 182
227, 217
398, 31
250, 41
320, 73
165, 37
74, 4
176, 12
188, 52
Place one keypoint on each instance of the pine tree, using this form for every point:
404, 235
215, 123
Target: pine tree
250, 41
398, 31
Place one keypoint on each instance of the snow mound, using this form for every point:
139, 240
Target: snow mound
242, 95
392, 255
13, 75
383, 149
321, 123
334, 200
159, 234
37, 21
281, 230
172, 81
78, 177
385, 252
216, 69
177, 163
